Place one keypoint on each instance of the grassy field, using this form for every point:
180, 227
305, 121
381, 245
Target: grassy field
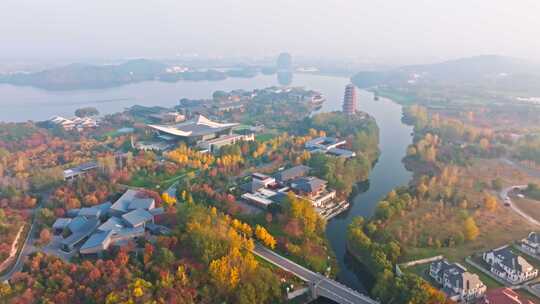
264, 137
497, 228
155, 181
527, 205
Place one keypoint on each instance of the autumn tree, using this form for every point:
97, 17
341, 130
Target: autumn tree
471, 231
262, 234
490, 202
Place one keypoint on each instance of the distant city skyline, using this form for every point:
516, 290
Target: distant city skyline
397, 32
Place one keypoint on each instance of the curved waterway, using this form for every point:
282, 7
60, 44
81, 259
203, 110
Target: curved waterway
25, 103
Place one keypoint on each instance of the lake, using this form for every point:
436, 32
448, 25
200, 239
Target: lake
25, 103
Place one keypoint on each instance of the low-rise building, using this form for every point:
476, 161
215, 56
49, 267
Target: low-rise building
60, 224
131, 200
79, 170
215, 144
504, 295
94, 229
509, 266
459, 284
314, 189
137, 218
531, 244
76, 123
330, 146
80, 228
295, 172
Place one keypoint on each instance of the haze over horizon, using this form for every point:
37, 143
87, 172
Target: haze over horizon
397, 32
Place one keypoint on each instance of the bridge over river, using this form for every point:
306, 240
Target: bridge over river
320, 286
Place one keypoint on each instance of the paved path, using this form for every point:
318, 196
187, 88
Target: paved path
27, 249
28, 246
506, 200
324, 286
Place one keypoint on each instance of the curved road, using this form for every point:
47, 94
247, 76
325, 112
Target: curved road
26, 250
506, 200
28, 246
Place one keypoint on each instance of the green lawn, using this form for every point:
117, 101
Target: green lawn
156, 181
264, 137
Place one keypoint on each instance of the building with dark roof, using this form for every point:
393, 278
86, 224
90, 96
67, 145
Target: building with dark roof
313, 189
130, 200
95, 228
60, 224
292, 173
97, 242
509, 266
81, 229
137, 218
531, 244
456, 281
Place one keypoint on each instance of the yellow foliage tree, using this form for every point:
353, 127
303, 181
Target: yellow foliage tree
265, 237
471, 230
490, 202
167, 199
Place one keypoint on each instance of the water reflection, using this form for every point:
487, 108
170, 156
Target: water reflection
284, 78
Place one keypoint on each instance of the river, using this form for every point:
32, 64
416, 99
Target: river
25, 103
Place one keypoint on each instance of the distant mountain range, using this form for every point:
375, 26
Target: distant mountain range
76, 76
86, 76
489, 73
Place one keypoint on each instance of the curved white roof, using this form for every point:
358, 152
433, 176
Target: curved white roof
200, 125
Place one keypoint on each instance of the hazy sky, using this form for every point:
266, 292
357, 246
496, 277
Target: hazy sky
398, 30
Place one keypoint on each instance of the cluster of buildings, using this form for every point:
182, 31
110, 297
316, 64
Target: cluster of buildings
75, 123
456, 281
92, 230
330, 146
466, 287
264, 190
234, 101
237, 100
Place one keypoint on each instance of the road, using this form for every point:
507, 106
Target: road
506, 200
27, 249
28, 246
324, 286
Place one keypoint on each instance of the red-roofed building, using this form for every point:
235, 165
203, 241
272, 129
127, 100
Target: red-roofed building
504, 296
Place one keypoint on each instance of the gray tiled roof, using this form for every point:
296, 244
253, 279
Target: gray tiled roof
96, 239
141, 203
308, 184
511, 260
84, 230
61, 223
113, 223
77, 223
292, 173
129, 201
137, 217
